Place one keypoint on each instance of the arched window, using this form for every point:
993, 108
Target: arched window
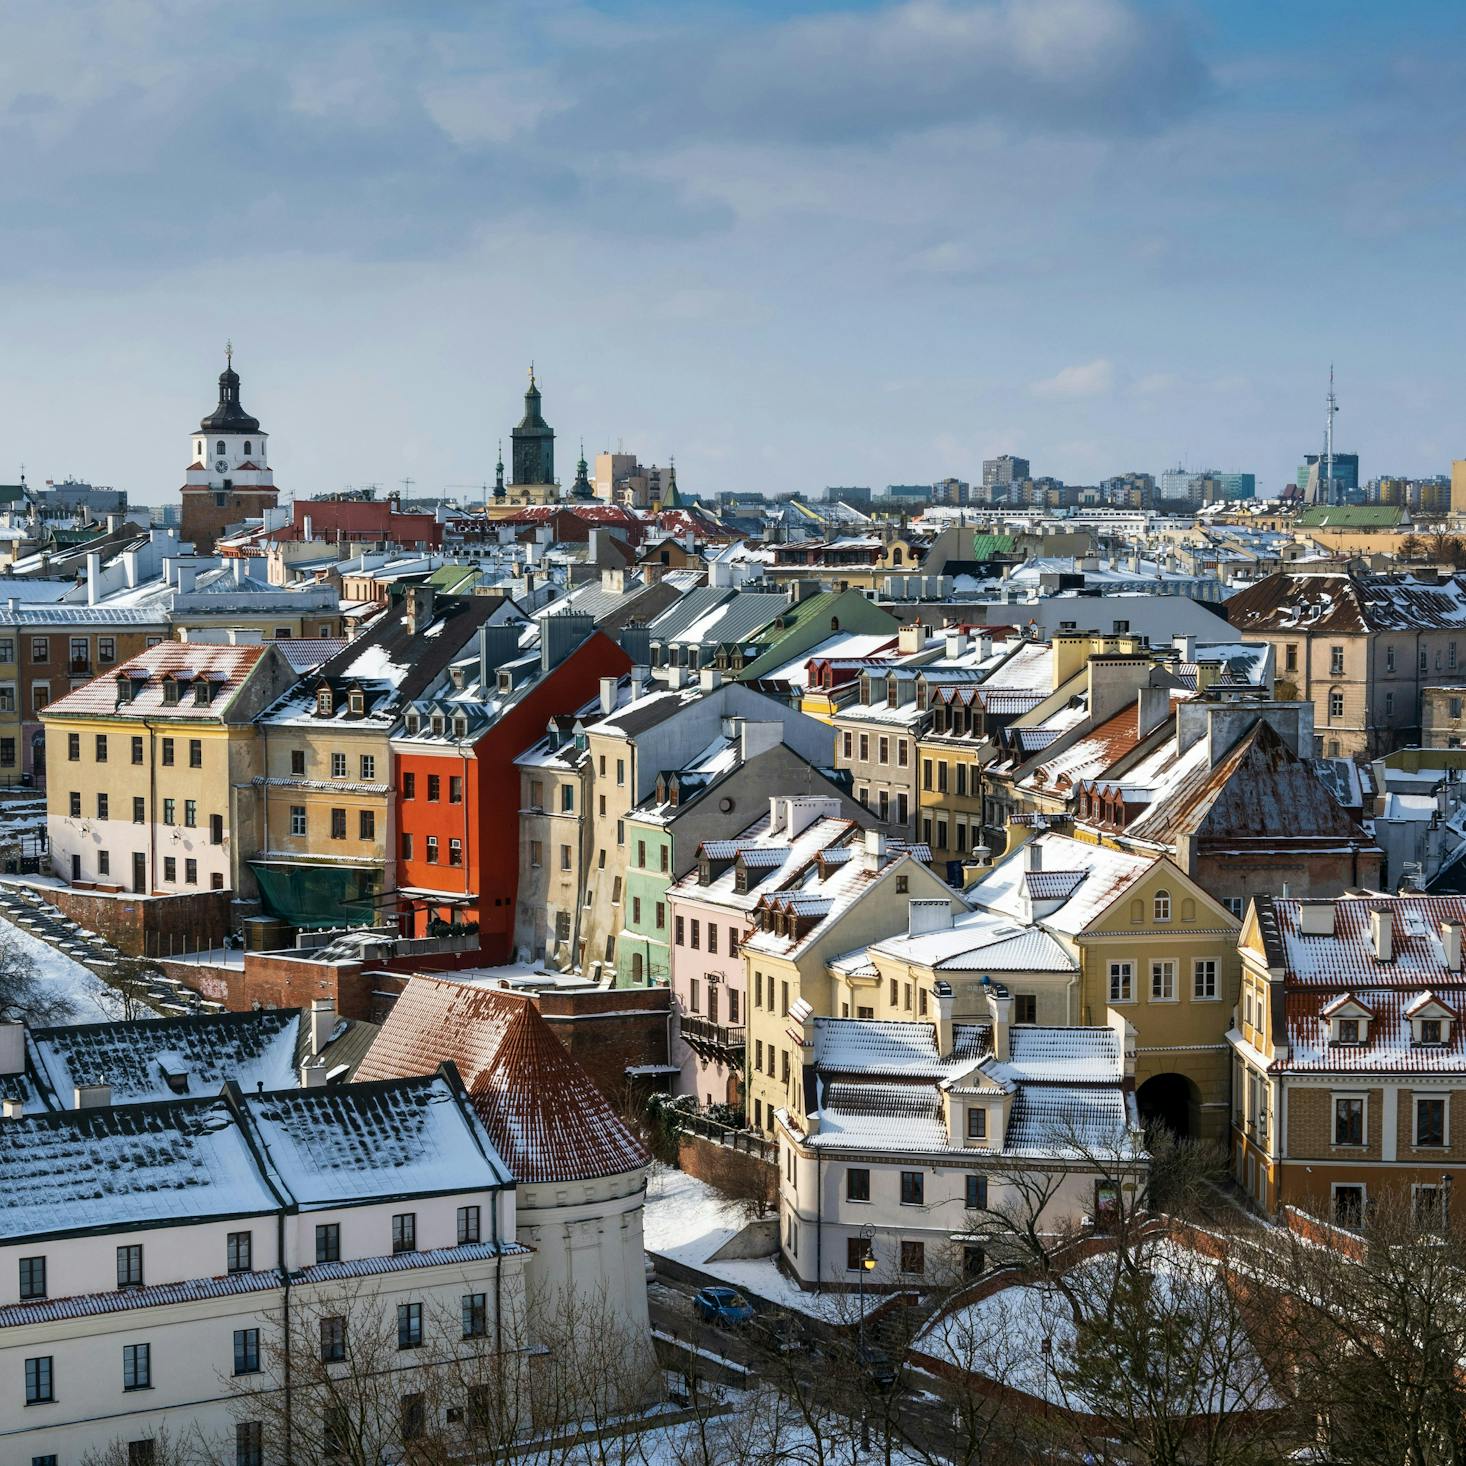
898, 556
219, 446
199, 449
1162, 905
248, 450
834, 623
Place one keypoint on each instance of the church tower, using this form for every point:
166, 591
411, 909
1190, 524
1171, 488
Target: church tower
533, 443
229, 477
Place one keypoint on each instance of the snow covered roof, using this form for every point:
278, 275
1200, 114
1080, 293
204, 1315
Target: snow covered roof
1344, 957
980, 940
542, 1110
169, 670
1107, 874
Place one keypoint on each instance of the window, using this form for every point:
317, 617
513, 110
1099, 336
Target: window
195, 753
73, 804
1204, 977
190, 813
468, 1224
368, 766
712, 939
455, 852
7, 749
409, 1325
1430, 1030
32, 1277
137, 750
883, 750
475, 1315
102, 806
913, 1188
366, 824
168, 753
170, 811
1162, 906
1349, 1121
101, 748
857, 1249
1336, 704
297, 819
1163, 982
409, 786
137, 1366
130, 1265
413, 1417
333, 1339
435, 788
432, 849
1348, 1205
857, 1184
913, 1257
404, 1232
241, 1251
40, 1387
246, 1351
328, 1242
139, 810
977, 1122
407, 844
1122, 977
335, 1433
338, 824
977, 1193
1336, 660
40, 649
1025, 1008
1347, 1029
249, 1443
974, 1259
73, 747
1430, 1120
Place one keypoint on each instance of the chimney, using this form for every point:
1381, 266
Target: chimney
94, 576
12, 1108
640, 675
1315, 918
803, 811
1185, 647
307, 528
1153, 707
322, 1023
560, 635
12, 1048
710, 679
237, 565
1451, 944
676, 677
929, 914
313, 1074
1382, 934
91, 1096
909, 639
609, 687
1033, 856
635, 639
942, 1002
419, 608
984, 647
496, 645
186, 574
1000, 1006
873, 852
956, 644
776, 814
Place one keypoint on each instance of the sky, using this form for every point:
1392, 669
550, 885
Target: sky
788, 245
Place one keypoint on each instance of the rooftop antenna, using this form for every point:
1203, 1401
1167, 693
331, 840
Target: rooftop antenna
1331, 411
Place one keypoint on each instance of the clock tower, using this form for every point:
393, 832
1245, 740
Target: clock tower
229, 477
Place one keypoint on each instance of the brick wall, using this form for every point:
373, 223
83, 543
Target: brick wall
145, 926
609, 1032
732, 1171
1311, 1124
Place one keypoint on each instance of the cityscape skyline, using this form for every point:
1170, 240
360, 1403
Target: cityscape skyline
1105, 235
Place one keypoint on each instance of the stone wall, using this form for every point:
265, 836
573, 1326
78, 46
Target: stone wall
733, 1172
612, 1031
148, 926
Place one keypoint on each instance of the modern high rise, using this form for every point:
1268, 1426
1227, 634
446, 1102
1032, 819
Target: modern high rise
1004, 470
1458, 486
1345, 482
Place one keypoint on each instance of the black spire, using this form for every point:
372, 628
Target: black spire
532, 443
229, 416
581, 488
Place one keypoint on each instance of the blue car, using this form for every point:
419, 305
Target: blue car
722, 1305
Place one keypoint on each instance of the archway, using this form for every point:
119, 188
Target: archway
1171, 1100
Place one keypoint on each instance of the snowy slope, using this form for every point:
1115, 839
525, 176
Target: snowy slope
91, 999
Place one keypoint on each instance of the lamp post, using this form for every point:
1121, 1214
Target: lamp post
867, 1264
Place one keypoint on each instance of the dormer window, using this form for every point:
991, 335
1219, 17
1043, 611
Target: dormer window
170, 691
1348, 1020
356, 703
1430, 1031
460, 725
506, 683
124, 689
436, 723
1346, 1030
1430, 1020
414, 722
203, 693
325, 703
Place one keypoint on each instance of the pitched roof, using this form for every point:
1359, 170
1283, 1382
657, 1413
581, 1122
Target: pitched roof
1348, 602
1343, 958
547, 1118
224, 668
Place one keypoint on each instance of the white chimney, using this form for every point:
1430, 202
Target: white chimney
1451, 944
1382, 934
12, 1108
956, 644
1000, 1006
942, 1001
676, 677
873, 853
1315, 918
313, 1074
776, 814
931, 914
91, 1096
322, 1023
710, 679
608, 695
12, 1048
1033, 856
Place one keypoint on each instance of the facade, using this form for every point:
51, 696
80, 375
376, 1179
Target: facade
229, 477
1349, 1059
905, 1136
1443, 715
153, 769
149, 1254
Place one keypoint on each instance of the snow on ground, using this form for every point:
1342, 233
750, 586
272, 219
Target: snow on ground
688, 1221
91, 999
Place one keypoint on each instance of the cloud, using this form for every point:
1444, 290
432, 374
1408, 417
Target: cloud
1091, 379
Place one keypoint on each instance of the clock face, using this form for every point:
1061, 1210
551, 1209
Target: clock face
221, 464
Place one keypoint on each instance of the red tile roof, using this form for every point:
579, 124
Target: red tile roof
544, 1114
225, 668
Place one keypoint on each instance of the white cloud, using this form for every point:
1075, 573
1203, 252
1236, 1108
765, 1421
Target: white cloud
1090, 379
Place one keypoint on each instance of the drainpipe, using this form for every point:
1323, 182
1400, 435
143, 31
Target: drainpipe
819, 1228
286, 1360
498, 1276
465, 754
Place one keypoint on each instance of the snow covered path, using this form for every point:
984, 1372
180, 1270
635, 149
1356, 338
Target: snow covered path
91, 999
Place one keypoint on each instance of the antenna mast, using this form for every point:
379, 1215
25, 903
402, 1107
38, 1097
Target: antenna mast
1331, 411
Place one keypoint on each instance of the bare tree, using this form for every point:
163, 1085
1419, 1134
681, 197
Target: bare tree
26, 996
167, 1450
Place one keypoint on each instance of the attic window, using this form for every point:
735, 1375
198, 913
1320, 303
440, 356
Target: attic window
170, 691
506, 682
740, 880
176, 1080
460, 725
436, 723
325, 703
1429, 1031
1346, 1030
203, 693
414, 722
357, 703
124, 689
1162, 906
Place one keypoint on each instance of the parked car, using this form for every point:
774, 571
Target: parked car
723, 1306
878, 1367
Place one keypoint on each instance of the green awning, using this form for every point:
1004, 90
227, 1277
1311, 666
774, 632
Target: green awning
319, 895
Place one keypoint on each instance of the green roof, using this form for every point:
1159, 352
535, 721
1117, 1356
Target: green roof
450, 578
989, 546
1351, 516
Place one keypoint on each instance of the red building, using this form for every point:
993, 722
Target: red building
360, 521
457, 789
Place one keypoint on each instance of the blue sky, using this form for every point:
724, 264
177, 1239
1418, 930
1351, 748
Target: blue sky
790, 245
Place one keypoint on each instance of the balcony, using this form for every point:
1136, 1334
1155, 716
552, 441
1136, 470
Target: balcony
81, 667
713, 1040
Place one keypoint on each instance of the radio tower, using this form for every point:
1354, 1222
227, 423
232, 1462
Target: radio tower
1331, 411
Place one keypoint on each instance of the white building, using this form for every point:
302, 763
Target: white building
149, 1254
909, 1137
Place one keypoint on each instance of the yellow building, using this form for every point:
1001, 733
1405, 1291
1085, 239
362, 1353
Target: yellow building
152, 770
1150, 944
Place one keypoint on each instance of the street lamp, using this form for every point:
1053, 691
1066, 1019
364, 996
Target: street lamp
867, 1265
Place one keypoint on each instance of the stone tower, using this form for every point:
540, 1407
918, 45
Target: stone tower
533, 450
